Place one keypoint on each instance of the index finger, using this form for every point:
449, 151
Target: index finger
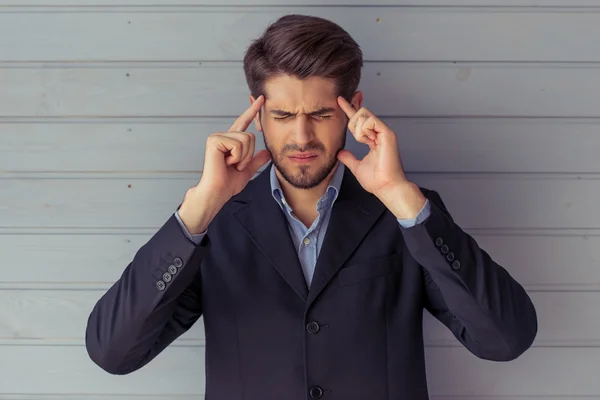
346, 107
244, 120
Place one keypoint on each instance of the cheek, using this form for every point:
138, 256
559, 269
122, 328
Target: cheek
274, 135
331, 133
274, 127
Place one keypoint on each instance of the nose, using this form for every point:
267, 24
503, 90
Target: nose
303, 131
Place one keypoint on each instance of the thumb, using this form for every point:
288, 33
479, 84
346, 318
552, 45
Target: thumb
348, 159
259, 159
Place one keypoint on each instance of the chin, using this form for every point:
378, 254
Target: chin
305, 176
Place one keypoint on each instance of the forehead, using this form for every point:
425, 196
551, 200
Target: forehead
285, 92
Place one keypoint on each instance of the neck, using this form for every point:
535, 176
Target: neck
304, 199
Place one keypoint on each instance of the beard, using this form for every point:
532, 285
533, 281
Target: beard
305, 178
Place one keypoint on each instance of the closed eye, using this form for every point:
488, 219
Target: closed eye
314, 115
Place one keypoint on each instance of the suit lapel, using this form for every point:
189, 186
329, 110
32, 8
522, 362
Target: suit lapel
353, 214
264, 221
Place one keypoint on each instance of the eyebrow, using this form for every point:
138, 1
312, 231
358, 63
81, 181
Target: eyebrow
320, 111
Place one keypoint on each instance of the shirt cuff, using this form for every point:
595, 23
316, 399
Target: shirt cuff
422, 216
197, 238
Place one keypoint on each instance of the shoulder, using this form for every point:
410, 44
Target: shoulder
250, 193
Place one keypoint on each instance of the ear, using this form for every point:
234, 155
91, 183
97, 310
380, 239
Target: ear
257, 117
357, 100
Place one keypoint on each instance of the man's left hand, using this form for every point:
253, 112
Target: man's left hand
380, 172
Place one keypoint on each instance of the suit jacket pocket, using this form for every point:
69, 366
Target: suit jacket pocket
369, 269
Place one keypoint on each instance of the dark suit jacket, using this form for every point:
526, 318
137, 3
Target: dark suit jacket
356, 334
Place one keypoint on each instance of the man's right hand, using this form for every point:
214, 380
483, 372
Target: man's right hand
229, 164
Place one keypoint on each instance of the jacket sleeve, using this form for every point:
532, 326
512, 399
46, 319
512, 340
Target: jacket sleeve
156, 299
486, 309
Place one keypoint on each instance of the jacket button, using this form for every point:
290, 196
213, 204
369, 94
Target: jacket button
178, 262
439, 242
456, 265
316, 392
160, 285
450, 256
312, 327
444, 249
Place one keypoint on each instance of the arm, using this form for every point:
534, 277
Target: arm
158, 296
485, 308
142, 313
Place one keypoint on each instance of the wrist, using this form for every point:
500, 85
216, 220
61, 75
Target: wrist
198, 209
404, 199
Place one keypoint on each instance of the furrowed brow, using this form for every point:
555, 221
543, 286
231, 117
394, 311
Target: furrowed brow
281, 113
321, 111
324, 110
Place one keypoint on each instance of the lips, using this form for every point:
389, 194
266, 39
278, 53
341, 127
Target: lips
303, 156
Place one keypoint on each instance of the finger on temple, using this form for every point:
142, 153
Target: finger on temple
346, 107
244, 120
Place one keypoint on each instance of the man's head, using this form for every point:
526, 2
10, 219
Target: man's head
301, 64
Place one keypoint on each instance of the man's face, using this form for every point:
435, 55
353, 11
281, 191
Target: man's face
303, 128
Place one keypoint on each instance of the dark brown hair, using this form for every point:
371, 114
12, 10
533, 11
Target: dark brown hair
304, 46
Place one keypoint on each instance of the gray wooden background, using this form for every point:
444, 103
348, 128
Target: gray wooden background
105, 107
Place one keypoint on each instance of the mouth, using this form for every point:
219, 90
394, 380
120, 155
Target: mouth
303, 157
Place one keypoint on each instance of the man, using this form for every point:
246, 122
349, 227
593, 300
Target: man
311, 278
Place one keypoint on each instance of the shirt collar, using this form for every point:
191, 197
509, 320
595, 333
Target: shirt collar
328, 198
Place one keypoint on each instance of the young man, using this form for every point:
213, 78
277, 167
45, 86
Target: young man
311, 278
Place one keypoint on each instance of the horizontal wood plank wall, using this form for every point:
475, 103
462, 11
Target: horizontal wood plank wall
106, 105
386, 33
